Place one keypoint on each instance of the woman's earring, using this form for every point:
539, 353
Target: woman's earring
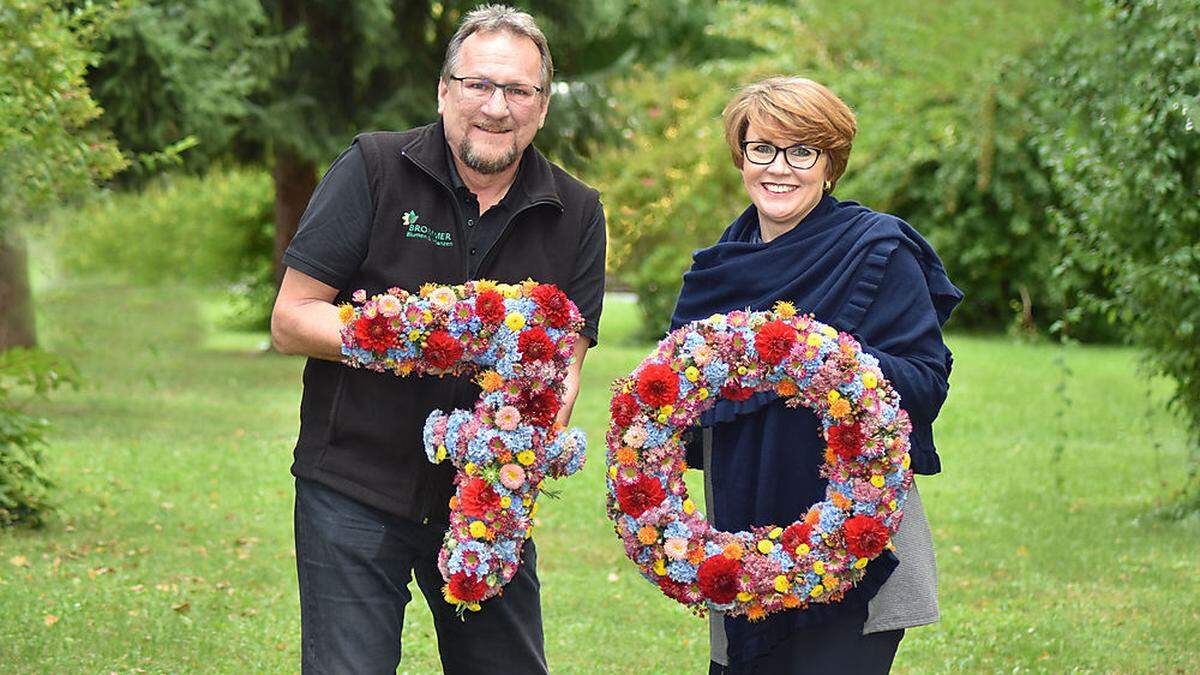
828, 187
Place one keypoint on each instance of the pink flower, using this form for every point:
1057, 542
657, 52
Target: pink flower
512, 476
635, 436
703, 355
389, 305
676, 548
443, 298
359, 296
508, 417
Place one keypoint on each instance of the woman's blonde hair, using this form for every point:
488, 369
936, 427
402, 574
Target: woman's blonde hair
797, 109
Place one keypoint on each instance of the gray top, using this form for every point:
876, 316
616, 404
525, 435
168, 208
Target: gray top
907, 599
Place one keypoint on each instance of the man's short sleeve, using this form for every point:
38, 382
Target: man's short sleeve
587, 286
335, 230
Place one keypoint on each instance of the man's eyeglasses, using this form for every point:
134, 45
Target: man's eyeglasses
797, 156
480, 89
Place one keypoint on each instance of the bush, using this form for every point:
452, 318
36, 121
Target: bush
213, 231
24, 487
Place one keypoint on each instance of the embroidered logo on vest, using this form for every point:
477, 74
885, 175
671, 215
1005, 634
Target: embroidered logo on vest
416, 231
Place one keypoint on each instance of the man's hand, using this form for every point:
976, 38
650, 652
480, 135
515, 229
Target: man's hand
572, 381
304, 320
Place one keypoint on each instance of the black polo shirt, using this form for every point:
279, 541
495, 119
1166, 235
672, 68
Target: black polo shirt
335, 232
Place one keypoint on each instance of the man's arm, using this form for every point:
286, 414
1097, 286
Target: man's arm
572, 381
304, 320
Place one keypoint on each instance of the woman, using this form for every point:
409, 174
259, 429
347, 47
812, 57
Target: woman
866, 273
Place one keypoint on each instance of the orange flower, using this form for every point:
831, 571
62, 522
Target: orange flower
812, 517
756, 612
734, 551
790, 601
840, 408
839, 500
647, 535
696, 555
786, 387
626, 455
490, 380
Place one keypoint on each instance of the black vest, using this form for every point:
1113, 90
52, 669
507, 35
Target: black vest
360, 431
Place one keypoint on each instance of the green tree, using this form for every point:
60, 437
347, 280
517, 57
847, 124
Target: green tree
50, 150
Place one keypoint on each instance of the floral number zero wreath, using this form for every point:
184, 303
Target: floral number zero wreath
517, 340
768, 568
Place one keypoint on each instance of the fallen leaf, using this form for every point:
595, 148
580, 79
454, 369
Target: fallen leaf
19, 561
182, 607
50, 620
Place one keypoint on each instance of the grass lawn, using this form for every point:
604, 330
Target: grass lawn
173, 548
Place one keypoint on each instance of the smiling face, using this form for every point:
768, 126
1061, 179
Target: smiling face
489, 136
782, 193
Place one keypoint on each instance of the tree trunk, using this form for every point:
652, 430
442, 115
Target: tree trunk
16, 301
295, 180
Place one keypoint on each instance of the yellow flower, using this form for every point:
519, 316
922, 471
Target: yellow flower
484, 285
802, 550
689, 507
515, 321
742, 370
765, 547
834, 395
745, 597
692, 373
660, 567
781, 584
860, 563
662, 419
829, 331
774, 534
345, 312
819, 567
612, 471
817, 591
510, 291
505, 502
785, 309
426, 289
877, 480
533, 511
448, 595
814, 340
470, 468
870, 381
441, 453
667, 409
427, 316
526, 457
892, 505
414, 335
478, 529
907, 461
702, 393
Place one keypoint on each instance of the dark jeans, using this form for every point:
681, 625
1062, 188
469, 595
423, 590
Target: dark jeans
355, 563
834, 647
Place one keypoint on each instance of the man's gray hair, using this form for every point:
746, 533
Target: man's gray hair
494, 19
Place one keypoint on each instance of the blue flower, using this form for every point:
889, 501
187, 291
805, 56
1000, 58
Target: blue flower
831, 518
677, 530
681, 571
715, 373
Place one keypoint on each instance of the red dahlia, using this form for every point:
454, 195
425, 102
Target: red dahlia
442, 351
489, 307
553, 303
865, 536
539, 407
658, 385
466, 587
641, 495
624, 408
673, 589
535, 345
774, 341
718, 578
736, 392
374, 334
794, 535
846, 440
476, 498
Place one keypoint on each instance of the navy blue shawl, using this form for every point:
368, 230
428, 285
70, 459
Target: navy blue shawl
837, 263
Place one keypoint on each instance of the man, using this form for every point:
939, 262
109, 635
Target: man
467, 197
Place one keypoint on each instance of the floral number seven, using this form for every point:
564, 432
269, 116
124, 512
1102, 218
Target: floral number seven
518, 341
